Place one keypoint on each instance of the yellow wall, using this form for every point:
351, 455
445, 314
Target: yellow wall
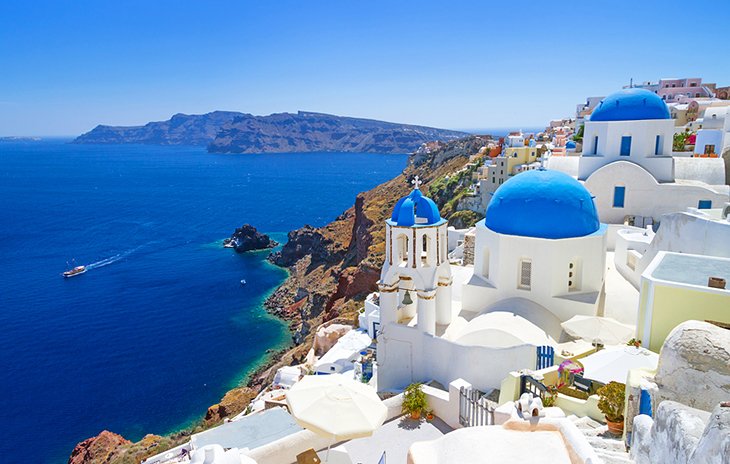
673, 305
525, 155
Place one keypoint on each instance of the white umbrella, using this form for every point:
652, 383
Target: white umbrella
614, 363
336, 407
606, 330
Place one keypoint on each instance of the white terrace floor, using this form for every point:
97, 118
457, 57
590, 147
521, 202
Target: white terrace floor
394, 438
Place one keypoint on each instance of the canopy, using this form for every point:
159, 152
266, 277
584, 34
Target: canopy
613, 363
606, 330
335, 407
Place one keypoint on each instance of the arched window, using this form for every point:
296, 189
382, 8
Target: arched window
402, 245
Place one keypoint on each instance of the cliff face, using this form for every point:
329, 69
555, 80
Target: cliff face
333, 268
232, 132
98, 449
181, 129
310, 132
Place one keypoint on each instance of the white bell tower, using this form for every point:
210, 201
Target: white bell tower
416, 278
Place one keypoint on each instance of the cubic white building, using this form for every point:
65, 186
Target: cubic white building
539, 260
714, 137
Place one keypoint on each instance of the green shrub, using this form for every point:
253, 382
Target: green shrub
414, 400
611, 402
572, 392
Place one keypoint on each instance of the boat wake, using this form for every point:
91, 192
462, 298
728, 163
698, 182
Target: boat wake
111, 260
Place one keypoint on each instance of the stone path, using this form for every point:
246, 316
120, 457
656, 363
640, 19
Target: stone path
607, 446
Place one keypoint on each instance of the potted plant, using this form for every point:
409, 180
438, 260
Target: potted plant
414, 400
634, 342
611, 404
429, 415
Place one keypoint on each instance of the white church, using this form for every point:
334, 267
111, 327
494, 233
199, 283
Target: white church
629, 166
539, 260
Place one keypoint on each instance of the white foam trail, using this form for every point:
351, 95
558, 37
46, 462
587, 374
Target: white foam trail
112, 260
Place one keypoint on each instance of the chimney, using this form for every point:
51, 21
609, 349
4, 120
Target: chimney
716, 282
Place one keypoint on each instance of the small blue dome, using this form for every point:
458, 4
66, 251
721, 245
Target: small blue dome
630, 105
570, 144
542, 204
415, 209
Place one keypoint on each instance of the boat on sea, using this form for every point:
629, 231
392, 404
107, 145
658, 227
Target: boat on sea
78, 270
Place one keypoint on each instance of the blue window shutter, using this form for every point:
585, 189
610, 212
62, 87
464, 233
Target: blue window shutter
618, 196
705, 204
626, 145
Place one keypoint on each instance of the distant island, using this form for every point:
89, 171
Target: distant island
232, 132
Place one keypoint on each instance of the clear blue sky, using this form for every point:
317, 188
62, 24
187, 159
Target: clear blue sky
66, 66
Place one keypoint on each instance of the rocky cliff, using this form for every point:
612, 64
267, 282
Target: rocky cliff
181, 129
232, 132
333, 268
312, 132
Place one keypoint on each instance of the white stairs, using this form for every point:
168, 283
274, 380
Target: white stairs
608, 448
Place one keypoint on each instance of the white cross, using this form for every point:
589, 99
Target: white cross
416, 182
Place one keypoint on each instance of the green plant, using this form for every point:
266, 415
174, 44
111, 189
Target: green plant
611, 402
548, 401
634, 342
414, 399
578, 137
572, 392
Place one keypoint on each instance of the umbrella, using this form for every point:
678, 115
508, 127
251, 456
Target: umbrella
607, 330
614, 363
336, 407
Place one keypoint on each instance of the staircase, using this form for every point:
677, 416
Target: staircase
608, 448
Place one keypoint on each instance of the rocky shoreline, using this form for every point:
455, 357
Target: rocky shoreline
247, 238
332, 269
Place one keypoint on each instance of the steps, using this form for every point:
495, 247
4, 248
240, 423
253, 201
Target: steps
606, 446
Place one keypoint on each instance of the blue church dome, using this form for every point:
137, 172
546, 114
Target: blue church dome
415, 209
542, 204
570, 144
630, 105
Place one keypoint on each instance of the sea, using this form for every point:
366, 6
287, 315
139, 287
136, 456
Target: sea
160, 326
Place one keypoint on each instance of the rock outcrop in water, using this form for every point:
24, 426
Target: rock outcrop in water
232, 132
247, 238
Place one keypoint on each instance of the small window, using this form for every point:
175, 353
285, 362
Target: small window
626, 145
705, 204
595, 145
525, 282
657, 145
618, 196
709, 149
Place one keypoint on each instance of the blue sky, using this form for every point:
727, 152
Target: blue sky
67, 66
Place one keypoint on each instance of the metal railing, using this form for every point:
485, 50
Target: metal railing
530, 385
474, 409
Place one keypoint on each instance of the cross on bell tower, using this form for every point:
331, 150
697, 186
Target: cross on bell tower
416, 182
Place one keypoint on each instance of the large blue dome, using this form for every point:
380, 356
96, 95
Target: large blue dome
542, 204
630, 105
415, 209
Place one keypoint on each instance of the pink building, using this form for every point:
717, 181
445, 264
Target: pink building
676, 90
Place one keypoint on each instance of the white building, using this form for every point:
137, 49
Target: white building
714, 137
539, 260
627, 161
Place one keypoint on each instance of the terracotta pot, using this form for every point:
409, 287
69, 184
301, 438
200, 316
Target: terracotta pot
415, 415
616, 428
429, 417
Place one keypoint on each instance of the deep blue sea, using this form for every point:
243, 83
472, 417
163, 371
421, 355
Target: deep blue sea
159, 328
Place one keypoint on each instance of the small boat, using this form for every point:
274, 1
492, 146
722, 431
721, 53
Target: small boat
243, 282
75, 271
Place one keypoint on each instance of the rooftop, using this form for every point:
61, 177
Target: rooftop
689, 269
250, 431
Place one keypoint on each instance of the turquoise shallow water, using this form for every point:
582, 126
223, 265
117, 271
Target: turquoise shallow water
160, 327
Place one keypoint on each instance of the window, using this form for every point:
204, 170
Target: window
657, 145
709, 149
485, 263
625, 145
704, 204
525, 274
595, 145
574, 275
618, 196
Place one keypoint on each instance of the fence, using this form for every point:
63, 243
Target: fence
530, 385
473, 408
545, 357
